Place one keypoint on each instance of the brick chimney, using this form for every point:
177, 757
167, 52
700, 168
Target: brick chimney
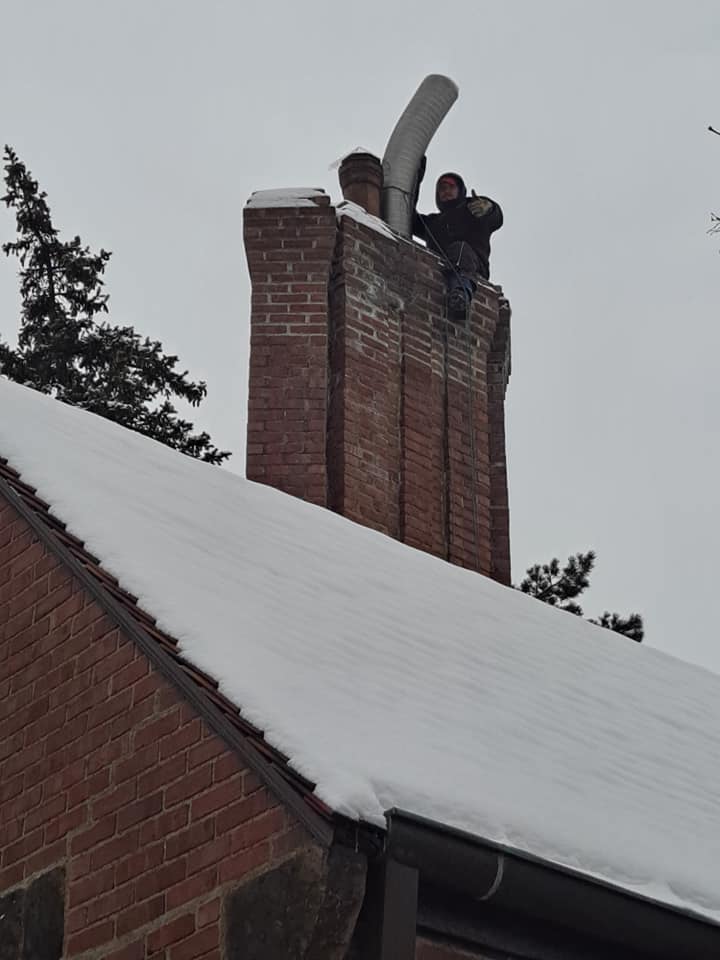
364, 397
361, 180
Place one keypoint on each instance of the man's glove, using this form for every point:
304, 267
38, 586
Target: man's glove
479, 206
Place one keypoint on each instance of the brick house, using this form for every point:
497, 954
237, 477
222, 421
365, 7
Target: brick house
235, 725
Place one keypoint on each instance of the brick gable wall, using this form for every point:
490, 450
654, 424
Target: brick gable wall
111, 781
106, 772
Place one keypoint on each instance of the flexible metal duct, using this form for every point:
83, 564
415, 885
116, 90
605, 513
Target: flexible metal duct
408, 143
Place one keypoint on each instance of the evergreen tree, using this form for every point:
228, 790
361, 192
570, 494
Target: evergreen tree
63, 347
559, 587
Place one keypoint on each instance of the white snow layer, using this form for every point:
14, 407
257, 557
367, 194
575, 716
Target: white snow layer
303, 197
285, 197
346, 208
391, 678
339, 162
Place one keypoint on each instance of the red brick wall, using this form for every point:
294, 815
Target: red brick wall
104, 770
364, 459
289, 255
409, 435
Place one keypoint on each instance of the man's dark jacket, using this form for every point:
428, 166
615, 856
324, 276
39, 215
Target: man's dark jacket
455, 223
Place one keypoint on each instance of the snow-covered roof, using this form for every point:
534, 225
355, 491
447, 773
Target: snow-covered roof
391, 678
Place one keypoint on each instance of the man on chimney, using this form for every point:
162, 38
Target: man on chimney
460, 234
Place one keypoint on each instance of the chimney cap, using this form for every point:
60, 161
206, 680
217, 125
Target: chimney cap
289, 197
340, 160
361, 180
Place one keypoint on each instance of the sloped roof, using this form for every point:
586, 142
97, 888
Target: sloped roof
390, 678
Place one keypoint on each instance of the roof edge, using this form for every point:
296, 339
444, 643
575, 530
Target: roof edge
317, 819
483, 872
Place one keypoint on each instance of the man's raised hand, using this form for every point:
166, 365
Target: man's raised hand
479, 206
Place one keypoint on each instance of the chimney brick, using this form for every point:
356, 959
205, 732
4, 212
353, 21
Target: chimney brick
361, 181
289, 253
365, 397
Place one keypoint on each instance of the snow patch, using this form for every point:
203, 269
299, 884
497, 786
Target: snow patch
391, 678
285, 197
338, 163
349, 209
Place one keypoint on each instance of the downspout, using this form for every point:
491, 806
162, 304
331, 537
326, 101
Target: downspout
407, 145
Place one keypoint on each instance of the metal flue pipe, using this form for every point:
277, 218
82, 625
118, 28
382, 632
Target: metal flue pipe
407, 145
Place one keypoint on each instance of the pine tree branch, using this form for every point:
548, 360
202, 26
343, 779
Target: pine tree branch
548, 591
571, 582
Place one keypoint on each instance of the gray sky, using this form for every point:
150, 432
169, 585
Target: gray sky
149, 123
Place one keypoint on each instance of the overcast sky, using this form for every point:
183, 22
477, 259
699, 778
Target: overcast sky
149, 124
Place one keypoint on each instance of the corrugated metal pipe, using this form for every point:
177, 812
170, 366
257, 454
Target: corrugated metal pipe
407, 145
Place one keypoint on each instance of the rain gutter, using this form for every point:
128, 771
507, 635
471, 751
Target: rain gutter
451, 884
